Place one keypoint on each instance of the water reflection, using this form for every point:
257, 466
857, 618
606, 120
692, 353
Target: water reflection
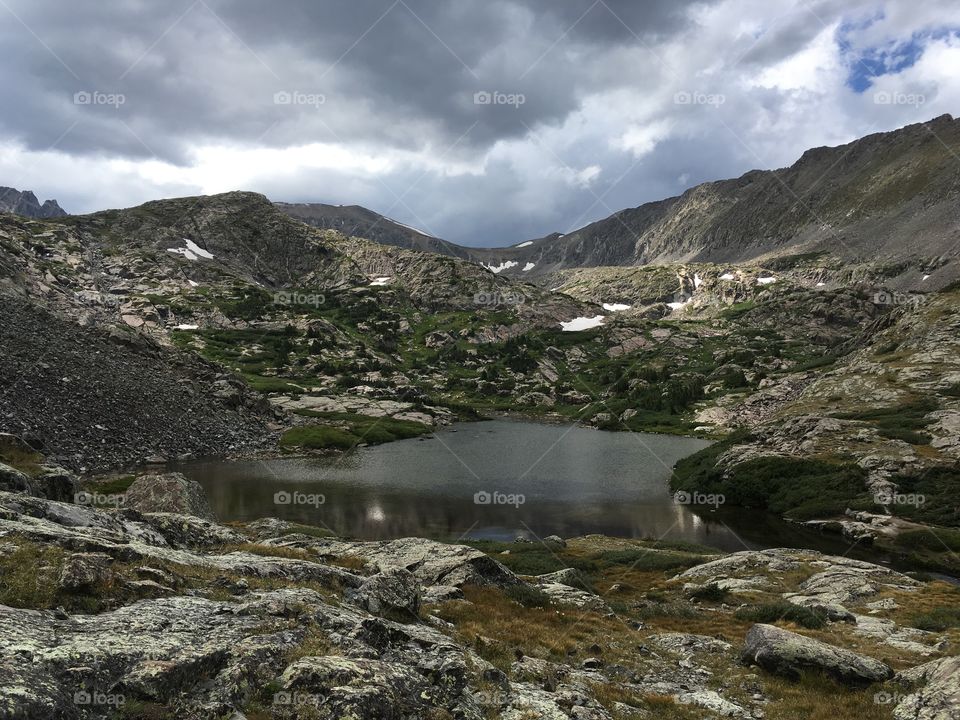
574, 481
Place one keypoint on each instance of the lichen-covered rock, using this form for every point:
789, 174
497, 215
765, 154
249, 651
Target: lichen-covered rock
939, 696
787, 653
433, 563
168, 493
392, 592
56, 483
83, 570
12, 480
189, 530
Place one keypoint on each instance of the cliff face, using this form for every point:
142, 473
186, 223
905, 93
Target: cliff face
25, 203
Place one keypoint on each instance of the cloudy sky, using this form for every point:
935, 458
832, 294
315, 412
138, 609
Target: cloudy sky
484, 122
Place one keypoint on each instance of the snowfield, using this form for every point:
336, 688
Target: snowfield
582, 323
192, 251
505, 265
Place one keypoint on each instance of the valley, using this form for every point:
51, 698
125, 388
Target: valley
802, 379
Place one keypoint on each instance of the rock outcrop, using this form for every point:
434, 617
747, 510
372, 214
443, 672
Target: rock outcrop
786, 653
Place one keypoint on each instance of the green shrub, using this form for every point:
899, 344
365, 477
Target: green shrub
782, 610
710, 593
528, 595
937, 620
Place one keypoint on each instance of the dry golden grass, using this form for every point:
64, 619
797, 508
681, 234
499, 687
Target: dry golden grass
277, 551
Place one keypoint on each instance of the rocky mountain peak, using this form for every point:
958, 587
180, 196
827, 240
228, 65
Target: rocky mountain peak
25, 203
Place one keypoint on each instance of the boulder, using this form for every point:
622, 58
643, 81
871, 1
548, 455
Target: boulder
787, 653
84, 570
12, 480
168, 493
566, 576
56, 483
938, 699
433, 563
392, 592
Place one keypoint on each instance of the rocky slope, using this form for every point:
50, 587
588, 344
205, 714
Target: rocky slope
855, 202
143, 613
26, 204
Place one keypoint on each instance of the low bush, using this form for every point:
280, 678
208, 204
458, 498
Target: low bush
782, 610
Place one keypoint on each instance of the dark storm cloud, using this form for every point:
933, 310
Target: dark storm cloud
403, 73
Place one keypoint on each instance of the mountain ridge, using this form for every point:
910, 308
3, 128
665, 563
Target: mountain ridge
853, 200
26, 204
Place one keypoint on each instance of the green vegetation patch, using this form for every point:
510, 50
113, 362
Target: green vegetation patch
782, 611
800, 488
351, 429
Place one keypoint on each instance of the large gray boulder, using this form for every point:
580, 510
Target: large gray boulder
168, 493
939, 698
787, 653
393, 592
433, 563
12, 480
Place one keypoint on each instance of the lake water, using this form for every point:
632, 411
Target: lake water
495, 480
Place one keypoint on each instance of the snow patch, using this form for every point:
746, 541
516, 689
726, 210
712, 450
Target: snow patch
925, 277
697, 281
193, 284
616, 307
529, 266
821, 284
582, 323
187, 327
728, 276
192, 251
380, 281
505, 265
678, 305
766, 280
528, 243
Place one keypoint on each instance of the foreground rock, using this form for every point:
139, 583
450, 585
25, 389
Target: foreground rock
939, 698
786, 653
168, 493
